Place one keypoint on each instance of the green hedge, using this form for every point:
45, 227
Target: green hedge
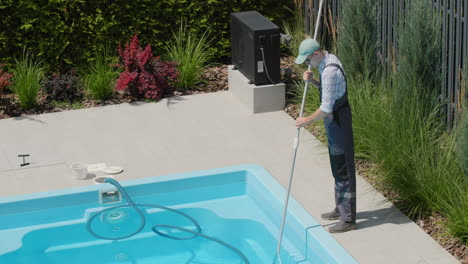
66, 32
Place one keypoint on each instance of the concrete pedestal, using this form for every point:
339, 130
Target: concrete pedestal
257, 98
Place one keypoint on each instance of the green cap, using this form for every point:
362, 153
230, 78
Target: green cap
307, 47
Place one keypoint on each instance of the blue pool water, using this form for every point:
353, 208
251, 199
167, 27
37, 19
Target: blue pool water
239, 205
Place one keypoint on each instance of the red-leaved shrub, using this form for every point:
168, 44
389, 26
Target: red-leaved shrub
4, 78
144, 75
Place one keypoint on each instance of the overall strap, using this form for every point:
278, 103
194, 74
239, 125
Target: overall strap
339, 68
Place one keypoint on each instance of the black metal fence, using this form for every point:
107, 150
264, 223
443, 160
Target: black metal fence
454, 36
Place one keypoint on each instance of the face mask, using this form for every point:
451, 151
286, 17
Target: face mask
312, 63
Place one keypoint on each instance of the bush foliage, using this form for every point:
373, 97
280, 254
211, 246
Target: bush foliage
63, 87
144, 75
67, 31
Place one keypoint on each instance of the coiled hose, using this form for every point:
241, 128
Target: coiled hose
157, 228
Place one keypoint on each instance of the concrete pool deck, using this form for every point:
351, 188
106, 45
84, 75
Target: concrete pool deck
197, 132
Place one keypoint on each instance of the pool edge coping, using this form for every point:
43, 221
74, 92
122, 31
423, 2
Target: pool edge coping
325, 239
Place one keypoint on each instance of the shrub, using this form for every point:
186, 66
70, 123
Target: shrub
417, 160
4, 78
397, 126
144, 75
419, 65
166, 72
63, 87
464, 139
100, 75
67, 31
190, 48
463, 126
358, 38
28, 75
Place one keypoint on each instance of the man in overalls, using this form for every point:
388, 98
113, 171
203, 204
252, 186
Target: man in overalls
336, 112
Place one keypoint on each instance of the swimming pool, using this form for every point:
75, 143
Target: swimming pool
239, 205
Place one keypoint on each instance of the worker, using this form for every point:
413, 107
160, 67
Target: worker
336, 112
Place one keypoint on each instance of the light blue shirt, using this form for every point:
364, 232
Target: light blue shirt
333, 82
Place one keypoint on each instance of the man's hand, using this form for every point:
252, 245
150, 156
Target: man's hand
307, 75
301, 121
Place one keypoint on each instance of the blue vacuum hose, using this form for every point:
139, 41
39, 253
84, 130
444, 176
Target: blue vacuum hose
157, 228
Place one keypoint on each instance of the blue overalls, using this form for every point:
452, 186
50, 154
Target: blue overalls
341, 151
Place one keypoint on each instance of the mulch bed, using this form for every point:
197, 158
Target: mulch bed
214, 79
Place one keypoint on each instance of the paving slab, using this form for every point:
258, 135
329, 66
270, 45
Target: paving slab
199, 132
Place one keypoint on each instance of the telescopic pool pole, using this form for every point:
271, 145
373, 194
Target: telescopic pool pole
296, 145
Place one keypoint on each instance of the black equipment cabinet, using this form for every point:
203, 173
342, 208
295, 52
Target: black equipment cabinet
251, 31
